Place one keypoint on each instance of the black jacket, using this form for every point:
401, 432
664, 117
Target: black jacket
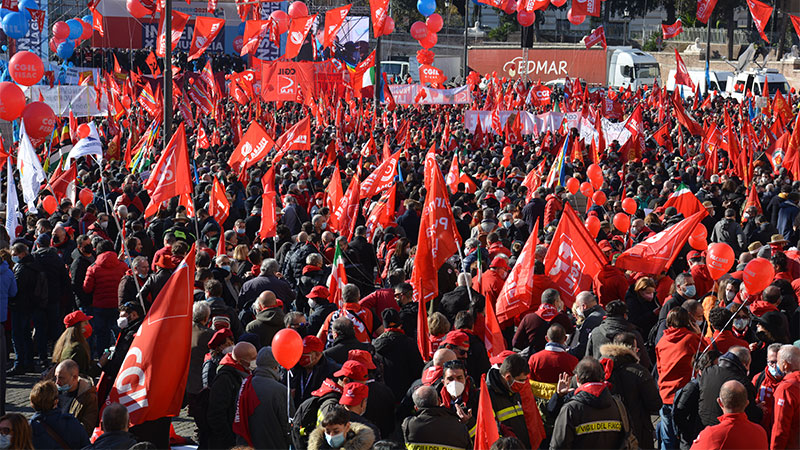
477, 359
306, 418
342, 345
685, 413
295, 261
366, 254
435, 427
113, 440
77, 272
458, 300
728, 368
318, 315
58, 281
266, 325
408, 318
507, 408
304, 382
380, 407
587, 421
641, 313
402, 360
222, 406
154, 283
605, 333
593, 317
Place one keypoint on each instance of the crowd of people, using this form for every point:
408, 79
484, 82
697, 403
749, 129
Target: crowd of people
676, 359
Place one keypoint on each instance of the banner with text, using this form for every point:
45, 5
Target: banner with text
82, 99
415, 94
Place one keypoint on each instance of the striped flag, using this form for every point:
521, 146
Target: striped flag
338, 278
684, 201
556, 175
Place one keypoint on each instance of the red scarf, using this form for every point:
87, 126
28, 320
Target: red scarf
546, 312
593, 388
247, 403
447, 399
431, 375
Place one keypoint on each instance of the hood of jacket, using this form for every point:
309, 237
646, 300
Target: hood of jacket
621, 354
272, 316
360, 437
599, 401
615, 325
107, 259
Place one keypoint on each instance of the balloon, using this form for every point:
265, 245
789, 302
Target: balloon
60, 30
622, 222
429, 41
388, 26
558, 3
50, 204
287, 347
15, 26
426, 7
595, 174
573, 184
39, 120
586, 189
86, 196
719, 259
758, 274
75, 28
575, 19
126, 102
238, 42
526, 18
593, 225
434, 23
697, 243
599, 198
4, 12
137, 9
700, 232
282, 19
65, 49
88, 18
510, 7
83, 130
12, 101
87, 30
419, 30
26, 68
298, 10
54, 44
629, 205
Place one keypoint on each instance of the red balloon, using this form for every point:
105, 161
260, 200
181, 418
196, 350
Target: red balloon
87, 30
629, 205
434, 23
575, 19
558, 3
700, 232
283, 20
573, 185
388, 26
86, 196
83, 130
126, 102
526, 18
26, 68
137, 9
622, 222
298, 10
758, 274
593, 225
719, 258
419, 30
586, 189
429, 41
39, 120
510, 7
599, 198
698, 244
50, 204
12, 101
425, 56
60, 30
287, 347
595, 174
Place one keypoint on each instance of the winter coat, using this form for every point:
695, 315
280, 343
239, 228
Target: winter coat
507, 407
588, 421
62, 424
729, 232
27, 273
266, 325
128, 290
533, 329
734, 431
674, 356
253, 288
200, 337
786, 427
366, 254
728, 368
593, 317
83, 406
610, 284
304, 382
338, 352
640, 312
102, 280
637, 389
319, 313
546, 365
295, 261
222, 403
787, 214
552, 208
435, 428
268, 425
402, 358
154, 283
360, 437
8, 288
765, 385
605, 332
458, 300
77, 273
113, 440
685, 415
58, 282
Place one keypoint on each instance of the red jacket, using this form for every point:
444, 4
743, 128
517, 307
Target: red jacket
102, 280
786, 427
610, 284
726, 340
734, 431
761, 307
547, 365
489, 285
551, 208
765, 397
674, 353
702, 279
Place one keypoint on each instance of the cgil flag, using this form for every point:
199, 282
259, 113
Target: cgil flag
170, 176
206, 30
671, 31
381, 178
516, 295
656, 253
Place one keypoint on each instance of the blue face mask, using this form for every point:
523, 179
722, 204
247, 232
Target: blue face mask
776, 372
225, 268
5, 441
63, 389
336, 440
690, 291
15, 258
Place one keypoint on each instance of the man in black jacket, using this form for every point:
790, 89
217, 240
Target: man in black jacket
459, 298
587, 308
344, 340
58, 287
616, 322
233, 369
82, 258
403, 363
433, 426
22, 306
115, 429
732, 365
131, 316
320, 307
504, 385
312, 370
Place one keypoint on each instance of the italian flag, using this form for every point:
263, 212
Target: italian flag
338, 278
684, 201
368, 78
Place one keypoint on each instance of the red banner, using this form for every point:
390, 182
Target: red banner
597, 36
430, 74
179, 21
297, 35
381, 178
670, 31
379, 9
761, 13
333, 21
206, 30
658, 252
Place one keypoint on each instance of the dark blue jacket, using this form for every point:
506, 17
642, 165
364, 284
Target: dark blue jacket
62, 424
787, 212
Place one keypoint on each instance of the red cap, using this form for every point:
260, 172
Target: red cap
457, 338
501, 357
693, 254
605, 246
319, 292
219, 337
362, 356
499, 262
319, 195
353, 394
353, 370
327, 387
75, 317
312, 344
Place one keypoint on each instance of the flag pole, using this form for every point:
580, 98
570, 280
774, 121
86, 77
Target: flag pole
469, 281
167, 71
103, 185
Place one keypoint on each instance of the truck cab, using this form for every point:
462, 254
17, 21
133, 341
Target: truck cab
396, 71
753, 81
717, 81
631, 67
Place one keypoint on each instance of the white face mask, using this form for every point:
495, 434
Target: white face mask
227, 349
730, 295
455, 388
312, 304
252, 365
122, 322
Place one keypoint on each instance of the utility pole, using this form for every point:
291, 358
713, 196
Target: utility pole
466, 33
167, 72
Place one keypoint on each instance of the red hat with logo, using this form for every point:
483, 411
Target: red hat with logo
75, 317
457, 338
319, 292
362, 356
353, 370
353, 394
312, 344
500, 263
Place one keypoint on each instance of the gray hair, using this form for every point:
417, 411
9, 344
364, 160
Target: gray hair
351, 293
269, 266
743, 354
425, 397
791, 355
314, 259
550, 296
200, 312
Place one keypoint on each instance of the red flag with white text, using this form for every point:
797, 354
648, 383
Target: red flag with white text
297, 137
597, 36
333, 21
179, 21
206, 30
761, 12
517, 292
381, 178
218, 205
254, 146
656, 253
704, 9
670, 31
297, 35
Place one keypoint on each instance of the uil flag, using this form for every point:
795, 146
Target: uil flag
657, 252
12, 203
254, 146
704, 9
151, 381
31, 174
515, 296
269, 224
670, 31
179, 21
485, 424
206, 30
573, 258
586, 7
761, 13
684, 201
381, 178
333, 21
170, 175
218, 204
337, 278
681, 72
297, 35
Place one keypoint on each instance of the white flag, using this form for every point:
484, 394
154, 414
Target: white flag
12, 203
90, 145
30, 169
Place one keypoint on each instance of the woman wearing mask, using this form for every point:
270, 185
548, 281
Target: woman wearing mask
643, 306
728, 289
243, 266
15, 432
742, 323
72, 344
219, 345
133, 280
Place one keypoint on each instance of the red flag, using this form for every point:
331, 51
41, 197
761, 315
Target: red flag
752, 200
97, 23
381, 178
656, 253
206, 30
516, 295
597, 36
382, 212
452, 175
269, 223
296, 138
761, 13
681, 72
540, 94
573, 258
343, 219
432, 75
60, 180
169, 177
493, 336
253, 147
704, 9
670, 31
586, 7
486, 432
662, 137
254, 30
436, 243
151, 381
684, 119
777, 151
297, 35
334, 190
792, 159
684, 201
179, 21
218, 204
333, 21
796, 24
379, 9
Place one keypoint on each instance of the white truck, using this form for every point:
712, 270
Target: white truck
718, 81
627, 66
753, 80
449, 65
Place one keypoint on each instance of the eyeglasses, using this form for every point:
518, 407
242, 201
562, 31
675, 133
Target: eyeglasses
772, 363
5, 431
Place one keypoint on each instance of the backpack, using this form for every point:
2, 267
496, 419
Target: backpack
629, 442
305, 421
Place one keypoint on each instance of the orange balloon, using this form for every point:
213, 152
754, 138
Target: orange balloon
595, 174
630, 206
50, 204
697, 243
287, 347
573, 185
593, 225
758, 274
700, 232
586, 189
622, 222
83, 130
719, 258
599, 198
86, 196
